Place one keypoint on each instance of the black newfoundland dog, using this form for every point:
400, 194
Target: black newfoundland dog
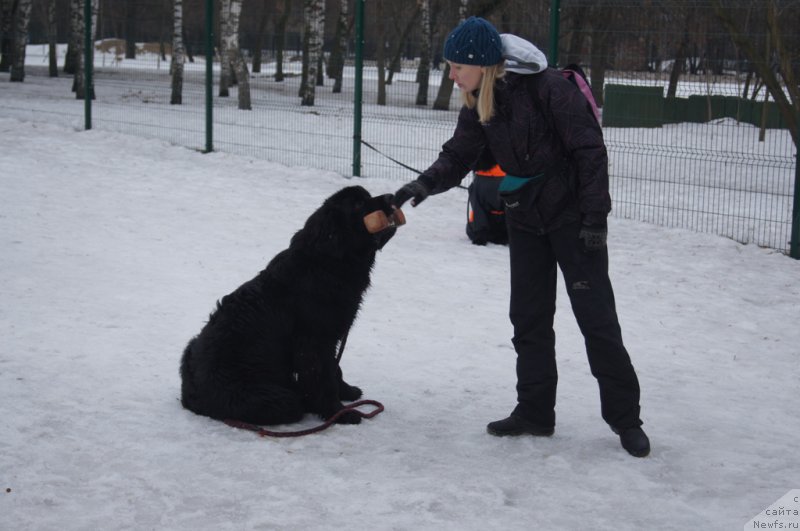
268, 352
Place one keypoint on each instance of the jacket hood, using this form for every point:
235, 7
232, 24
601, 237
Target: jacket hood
522, 56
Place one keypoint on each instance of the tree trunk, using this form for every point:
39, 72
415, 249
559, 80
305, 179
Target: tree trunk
315, 27
77, 37
224, 41
178, 53
442, 102
73, 41
787, 105
424, 70
680, 63
259, 41
601, 44
336, 59
237, 62
78, 83
304, 55
321, 69
380, 53
280, 39
394, 65
130, 29
6, 41
576, 35
21, 21
52, 36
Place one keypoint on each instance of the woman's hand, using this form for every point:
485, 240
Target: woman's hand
416, 190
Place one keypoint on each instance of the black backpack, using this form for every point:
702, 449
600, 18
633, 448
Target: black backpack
486, 217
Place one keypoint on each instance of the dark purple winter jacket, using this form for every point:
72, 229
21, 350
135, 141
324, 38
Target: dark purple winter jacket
542, 124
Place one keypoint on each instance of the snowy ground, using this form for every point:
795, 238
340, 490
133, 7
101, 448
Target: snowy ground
114, 250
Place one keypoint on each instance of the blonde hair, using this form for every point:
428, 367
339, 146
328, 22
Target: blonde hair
485, 98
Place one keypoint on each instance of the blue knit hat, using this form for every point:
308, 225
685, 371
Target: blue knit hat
474, 42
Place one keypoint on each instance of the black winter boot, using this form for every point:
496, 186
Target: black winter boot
635, 441
514, 425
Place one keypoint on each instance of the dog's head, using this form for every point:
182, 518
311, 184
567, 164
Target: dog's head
337, 227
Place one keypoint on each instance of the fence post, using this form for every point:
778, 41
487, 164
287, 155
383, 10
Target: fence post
357, 98
794, 245
209, 76
88, 60
555, 14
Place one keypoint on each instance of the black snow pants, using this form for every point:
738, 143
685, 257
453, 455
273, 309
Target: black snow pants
533, 303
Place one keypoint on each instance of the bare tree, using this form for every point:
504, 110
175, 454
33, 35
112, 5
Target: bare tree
773, 64
424, 70
78, 29
315, 28
402, 41
130, 28
178, 53
280, 38
258, 45
233, 55
380, 53
601, 37
224, 41
442, 102
52, 36
74, 42
336, 59
6, 41
684, 14
21, 20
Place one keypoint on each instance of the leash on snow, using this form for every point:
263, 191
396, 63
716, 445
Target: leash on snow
327, 424
299, 433
379, 152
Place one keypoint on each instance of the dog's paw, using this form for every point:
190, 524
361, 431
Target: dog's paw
350, 417
349, 392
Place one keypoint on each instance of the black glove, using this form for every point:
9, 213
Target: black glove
417, 191
593, 236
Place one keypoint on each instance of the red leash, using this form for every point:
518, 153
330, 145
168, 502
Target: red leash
351, 407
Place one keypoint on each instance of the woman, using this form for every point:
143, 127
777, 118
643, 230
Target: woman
543, 134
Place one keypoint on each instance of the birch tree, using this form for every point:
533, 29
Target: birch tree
78, 28
315, 28
6, 25
237, 61
233, 68
178, 53
21, 21
424, 70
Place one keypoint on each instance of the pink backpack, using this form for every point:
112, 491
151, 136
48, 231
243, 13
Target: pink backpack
576, 75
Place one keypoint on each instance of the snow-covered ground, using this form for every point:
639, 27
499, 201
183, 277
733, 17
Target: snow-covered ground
114, 249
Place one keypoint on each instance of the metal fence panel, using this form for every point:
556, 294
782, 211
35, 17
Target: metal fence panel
691, 154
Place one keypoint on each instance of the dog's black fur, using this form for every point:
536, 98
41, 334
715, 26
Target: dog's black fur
268, 352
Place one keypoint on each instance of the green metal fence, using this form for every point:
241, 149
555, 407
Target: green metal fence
710, 152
